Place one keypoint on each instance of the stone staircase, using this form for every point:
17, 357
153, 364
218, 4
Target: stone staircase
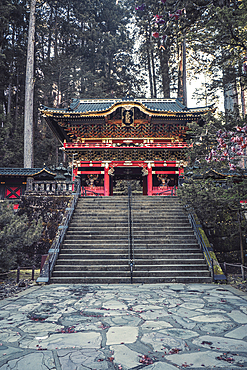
95, 249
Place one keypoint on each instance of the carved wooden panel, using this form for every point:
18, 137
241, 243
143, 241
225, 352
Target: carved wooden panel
110, 129
131, 155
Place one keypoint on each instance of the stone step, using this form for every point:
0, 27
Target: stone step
136, 280
138, 262
86, 238
95, 249
159, 232
102, 207
125, 267
87, 254
138, 233
158, 217
124, 227
152, 248
148, 211
139, 198
135, 210
137, 220
124, 246
122, 280
124, 221
126, 273
134, 202
111, 254
134, 207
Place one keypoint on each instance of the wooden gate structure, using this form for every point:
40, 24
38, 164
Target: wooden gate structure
113, 141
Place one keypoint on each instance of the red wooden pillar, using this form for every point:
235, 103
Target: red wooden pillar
150, 181
75, 170
74, 174
106, 182
181, 171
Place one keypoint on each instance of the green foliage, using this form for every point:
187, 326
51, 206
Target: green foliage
161, 56
11, 142
82, 49
51, 211
100, 49
92, 52
17, 235
218, 207
202, 139
219, 42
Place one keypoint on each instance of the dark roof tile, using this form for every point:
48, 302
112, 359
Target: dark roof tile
23, 171
101, 105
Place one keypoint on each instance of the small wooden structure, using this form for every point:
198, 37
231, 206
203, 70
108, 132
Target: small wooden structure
15, 181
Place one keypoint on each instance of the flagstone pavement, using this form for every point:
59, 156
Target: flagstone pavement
152, 327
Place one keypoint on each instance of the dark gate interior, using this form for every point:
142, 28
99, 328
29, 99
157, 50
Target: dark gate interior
125, 176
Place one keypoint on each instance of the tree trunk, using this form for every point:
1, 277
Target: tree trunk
9, 97
240, 238
242, 97
164, 67
154, 74
56, 36
230, 91
17, 96
184, 74
29, 87
180, 72
182, 85
164, 56
150, 72
148, 46
230, 97
49, 36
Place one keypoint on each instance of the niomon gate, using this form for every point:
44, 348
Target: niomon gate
116, 142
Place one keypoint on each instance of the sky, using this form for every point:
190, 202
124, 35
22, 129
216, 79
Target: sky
192, 101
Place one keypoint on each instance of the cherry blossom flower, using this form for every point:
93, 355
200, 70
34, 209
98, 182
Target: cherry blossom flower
156, 35
141, 7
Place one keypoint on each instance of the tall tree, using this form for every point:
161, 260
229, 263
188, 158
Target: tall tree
29, 89
220, 35
163, 27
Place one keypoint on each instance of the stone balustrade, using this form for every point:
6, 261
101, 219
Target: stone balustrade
49, 187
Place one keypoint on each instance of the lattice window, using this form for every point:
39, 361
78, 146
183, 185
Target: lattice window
13, 192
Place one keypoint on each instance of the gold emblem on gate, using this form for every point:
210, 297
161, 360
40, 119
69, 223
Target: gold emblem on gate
127, 116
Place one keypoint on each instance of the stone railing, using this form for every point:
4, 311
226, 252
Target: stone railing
49, 187
53, 252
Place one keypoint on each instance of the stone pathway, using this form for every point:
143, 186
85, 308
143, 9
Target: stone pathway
156, 327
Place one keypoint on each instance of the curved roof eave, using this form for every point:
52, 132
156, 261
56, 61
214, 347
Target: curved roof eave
24, 171
104, 112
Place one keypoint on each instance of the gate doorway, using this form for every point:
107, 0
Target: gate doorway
125, 176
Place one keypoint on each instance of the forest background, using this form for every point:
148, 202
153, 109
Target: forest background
110, 49
113, 49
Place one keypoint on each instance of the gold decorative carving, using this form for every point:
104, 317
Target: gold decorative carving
128, 116
132, 155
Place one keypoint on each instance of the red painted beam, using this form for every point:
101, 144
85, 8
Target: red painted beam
165, 172
115, 146
90, 172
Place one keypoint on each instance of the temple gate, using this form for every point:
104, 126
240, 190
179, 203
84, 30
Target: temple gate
114, 142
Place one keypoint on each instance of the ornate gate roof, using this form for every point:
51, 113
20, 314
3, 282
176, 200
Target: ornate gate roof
104, 118
99, 107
